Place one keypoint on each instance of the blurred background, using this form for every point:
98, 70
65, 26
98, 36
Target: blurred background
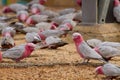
55, 3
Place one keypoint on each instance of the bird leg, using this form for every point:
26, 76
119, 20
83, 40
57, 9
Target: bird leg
85, 61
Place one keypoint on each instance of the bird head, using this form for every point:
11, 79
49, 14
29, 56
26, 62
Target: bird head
54, 23
42, 2
69, 26
42, 36
77, 37
99, 70
79, 2
35, 10
116, 2
30, 21
6, 10
30, 46
22, 17
0, 56
53, 26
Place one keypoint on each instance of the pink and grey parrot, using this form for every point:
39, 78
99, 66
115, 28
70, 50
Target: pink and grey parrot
7, 41
107, 52
20, 52
9, 30
37, 8
22, 15
65, 27
116, 10
73, 23
42, 2
14, 8
32, 38
110, 70
34, 19
44, 34
45, 26
84, 50
53, 42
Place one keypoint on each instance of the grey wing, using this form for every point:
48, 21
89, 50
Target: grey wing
111, 70
93, 42
43, 26
108, 51
88, 52
14, 53
52, 40
53, 33
30, 29
112, 44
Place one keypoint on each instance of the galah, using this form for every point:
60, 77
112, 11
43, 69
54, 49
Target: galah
93, 42
51, 14
58, 20
67, 11
65, 26
34, 19
9, 30
32, 38
73, 23
42, 2
18, 26
45, 26
22, 15
111, 71
14, 8
53, 42
84, 50
30, 29
7, 41
107, 52
79, 2
37, 8
116, 10
78, 16
44, 34
20, 52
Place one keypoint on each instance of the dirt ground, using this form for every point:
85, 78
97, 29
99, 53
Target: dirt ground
63, 63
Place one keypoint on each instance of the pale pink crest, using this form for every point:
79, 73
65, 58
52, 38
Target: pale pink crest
23, 17
35, 11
